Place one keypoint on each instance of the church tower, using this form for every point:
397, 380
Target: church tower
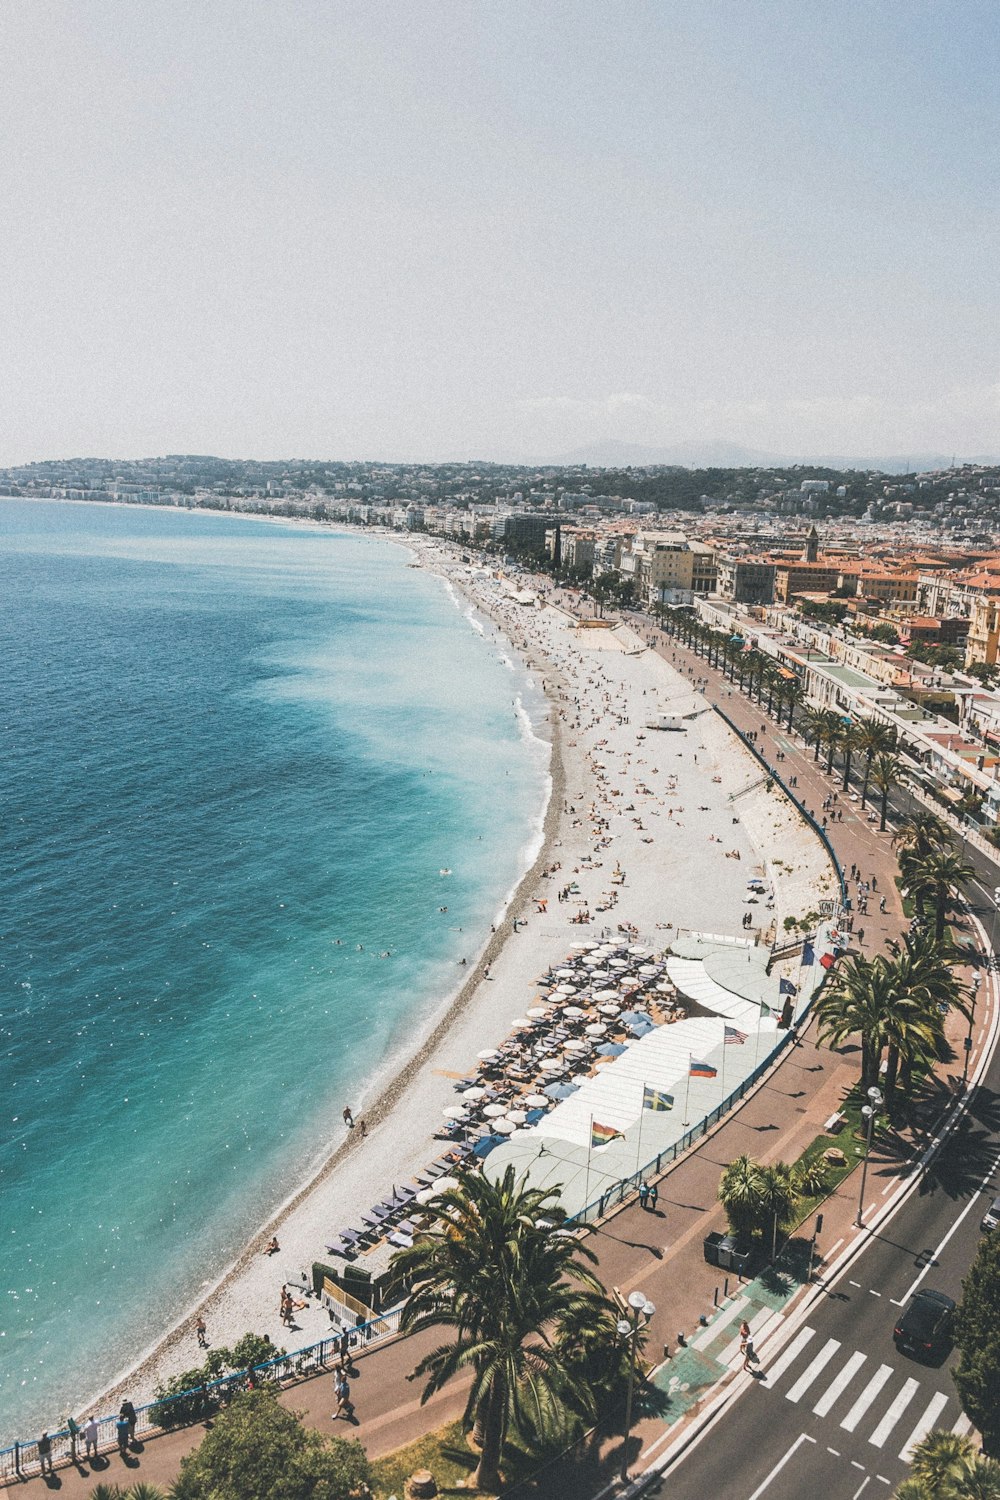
811, 553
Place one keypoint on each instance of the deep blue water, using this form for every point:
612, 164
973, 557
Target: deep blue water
225, 746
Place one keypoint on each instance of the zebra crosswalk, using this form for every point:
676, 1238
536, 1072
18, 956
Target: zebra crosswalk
857, 1391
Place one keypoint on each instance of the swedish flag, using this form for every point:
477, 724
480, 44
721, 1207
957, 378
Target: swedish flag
656, 1098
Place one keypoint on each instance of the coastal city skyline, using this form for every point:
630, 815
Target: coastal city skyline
502, 232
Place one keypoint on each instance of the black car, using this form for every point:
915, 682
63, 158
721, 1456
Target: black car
924, 1329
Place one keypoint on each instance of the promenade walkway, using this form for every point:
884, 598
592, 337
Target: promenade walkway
659, 1253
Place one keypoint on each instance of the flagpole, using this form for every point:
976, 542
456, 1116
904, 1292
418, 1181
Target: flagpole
638, 1144
687, 1090
590, 1147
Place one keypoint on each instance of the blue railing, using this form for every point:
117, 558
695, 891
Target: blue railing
21, 1461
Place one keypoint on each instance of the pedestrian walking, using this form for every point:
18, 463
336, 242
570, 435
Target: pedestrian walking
749, 1356
342, 1391
45, 1454
201, 1330
91, 1433
861, 934
127, 1411
344, 1349
348, 1117
121, 1433
744, 1335
881, 903
874, 883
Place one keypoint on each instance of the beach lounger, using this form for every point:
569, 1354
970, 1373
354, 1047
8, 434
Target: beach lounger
402, 1241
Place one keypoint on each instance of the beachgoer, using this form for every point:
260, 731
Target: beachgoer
201, 1331
91, 1432
272, 1247
45, 1454
348, 1117
121, 1433
362, 1129
127, 1410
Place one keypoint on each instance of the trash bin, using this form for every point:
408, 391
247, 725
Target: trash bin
712, 1246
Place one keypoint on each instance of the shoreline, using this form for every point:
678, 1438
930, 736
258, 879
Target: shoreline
419, 1078
405, 1067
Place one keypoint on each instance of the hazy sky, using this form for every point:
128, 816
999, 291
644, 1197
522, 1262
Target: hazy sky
431, 230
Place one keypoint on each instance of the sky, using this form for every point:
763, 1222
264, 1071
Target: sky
498, 229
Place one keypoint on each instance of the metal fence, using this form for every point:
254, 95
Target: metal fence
21, 1460
613, 1196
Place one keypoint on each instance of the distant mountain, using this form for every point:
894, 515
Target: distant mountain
615, 454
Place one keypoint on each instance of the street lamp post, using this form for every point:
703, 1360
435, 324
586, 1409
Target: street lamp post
642, 1311
869, 1111
977, 981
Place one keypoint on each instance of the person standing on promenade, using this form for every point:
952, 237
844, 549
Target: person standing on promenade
121, 1433
643, 1194
654, 1194
128, 1412
45, 1454
91, 1432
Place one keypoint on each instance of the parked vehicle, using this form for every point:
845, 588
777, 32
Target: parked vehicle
991, 1218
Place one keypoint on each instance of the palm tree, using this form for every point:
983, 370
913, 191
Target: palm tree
855, 1005
497, 1271
739, 1194
831, 730
874, 737
811, 724
923, 832
885, 773
940, 1460
850, 740
794, 696
778, 1198
938, 878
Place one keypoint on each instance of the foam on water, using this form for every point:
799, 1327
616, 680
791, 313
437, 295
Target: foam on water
236, 758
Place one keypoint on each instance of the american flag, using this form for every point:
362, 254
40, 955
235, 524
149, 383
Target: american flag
734, 1038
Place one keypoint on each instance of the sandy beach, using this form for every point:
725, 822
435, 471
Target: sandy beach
673, 811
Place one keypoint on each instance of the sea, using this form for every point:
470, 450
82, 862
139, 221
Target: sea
243, 765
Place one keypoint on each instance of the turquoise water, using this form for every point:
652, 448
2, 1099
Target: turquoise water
226, 746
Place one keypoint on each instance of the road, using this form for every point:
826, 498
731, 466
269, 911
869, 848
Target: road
834, 1407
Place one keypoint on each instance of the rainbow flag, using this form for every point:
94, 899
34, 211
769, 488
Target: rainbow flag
656, 1098
603, 1135
702, 1070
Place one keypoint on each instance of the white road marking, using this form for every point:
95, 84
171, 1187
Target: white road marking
838, 1386
813, 1370
972, 1203
866, 1398
795, 1348
867, 1480
873, 1293
855, 1283
935, 1407
894, 1413
803, 1437
962, 1427
834, 1452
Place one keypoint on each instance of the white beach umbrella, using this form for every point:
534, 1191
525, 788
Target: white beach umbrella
573, 1011
505, 1127
564, 989
552, 1065
516, 1116
455, 1112
564, 973
596, 1028
494, 1111
474, 1094
574, 1045
445, 1184
600, 974
606, 995
487, 1054
427, 1195
648, 969
609, 1010
535, 1101
519, 1021
638, 951
537, 1011
618, 963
